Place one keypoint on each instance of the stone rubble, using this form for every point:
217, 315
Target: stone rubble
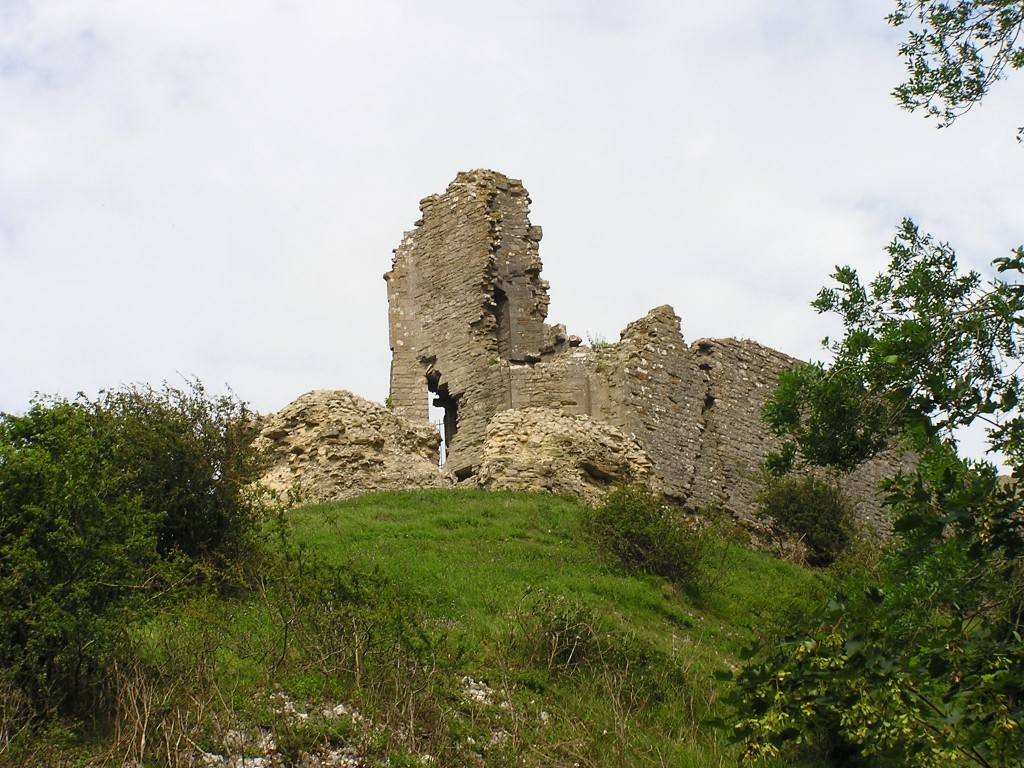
239, 745
537, 449
332, 445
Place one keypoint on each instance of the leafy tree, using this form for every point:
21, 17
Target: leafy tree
927, 350
926, 666
955, 51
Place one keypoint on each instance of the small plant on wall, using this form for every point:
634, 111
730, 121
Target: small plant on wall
597, 342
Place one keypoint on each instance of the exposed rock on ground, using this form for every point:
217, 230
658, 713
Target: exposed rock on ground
540, 449
333, 445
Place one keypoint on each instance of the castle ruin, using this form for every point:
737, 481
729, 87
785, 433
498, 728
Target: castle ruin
467, 311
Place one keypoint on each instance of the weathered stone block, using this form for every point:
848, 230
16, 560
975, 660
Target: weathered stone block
332, 445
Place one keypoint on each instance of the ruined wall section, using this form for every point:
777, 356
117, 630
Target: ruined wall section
657, 395
568, 383
694, 409
647, 385
519, 295
465, 298
468, 310
741, 376
862, 486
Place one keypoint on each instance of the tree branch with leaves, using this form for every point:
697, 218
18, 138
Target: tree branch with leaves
923, 665
955, 52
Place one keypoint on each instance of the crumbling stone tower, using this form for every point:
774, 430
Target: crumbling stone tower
467, 308
466, 300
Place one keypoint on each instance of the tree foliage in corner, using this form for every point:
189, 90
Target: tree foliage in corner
922, 664
955, 51
927, 350
102, 504
924, 667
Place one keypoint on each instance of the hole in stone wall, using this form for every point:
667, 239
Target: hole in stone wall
437, 419
444, 412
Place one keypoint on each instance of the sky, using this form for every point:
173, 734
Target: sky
214, 189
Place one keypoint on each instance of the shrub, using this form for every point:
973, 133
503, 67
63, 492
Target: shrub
75, 548
555, 633
191, 460
812, 509
646, 534
97, 498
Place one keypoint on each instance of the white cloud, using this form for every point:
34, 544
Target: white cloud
215, 189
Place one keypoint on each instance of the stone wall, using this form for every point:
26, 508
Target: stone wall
468, 311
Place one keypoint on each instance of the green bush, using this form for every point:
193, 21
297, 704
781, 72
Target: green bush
646, 534
75, 549
191, 461
811, 509
98, 501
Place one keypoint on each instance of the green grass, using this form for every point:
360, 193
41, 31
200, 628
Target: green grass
391, 602
488, 564
471, 557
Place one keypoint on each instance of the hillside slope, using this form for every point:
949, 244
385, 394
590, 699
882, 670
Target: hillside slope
444, 628
583, 664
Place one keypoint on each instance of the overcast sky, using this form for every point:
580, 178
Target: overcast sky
214, 189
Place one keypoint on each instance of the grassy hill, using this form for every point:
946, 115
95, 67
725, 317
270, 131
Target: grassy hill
448, 628
622, 665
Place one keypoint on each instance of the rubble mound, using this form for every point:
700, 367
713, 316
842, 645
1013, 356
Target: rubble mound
331, 445
541, 449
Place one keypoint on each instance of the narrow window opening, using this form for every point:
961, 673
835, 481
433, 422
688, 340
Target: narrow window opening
444, 413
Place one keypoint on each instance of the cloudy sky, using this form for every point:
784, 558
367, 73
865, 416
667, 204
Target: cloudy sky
214, 189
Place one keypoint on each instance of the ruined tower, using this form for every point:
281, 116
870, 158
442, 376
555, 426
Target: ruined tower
465, 300
467, 311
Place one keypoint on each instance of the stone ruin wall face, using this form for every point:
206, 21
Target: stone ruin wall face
642, 385
466, 301
467, 312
